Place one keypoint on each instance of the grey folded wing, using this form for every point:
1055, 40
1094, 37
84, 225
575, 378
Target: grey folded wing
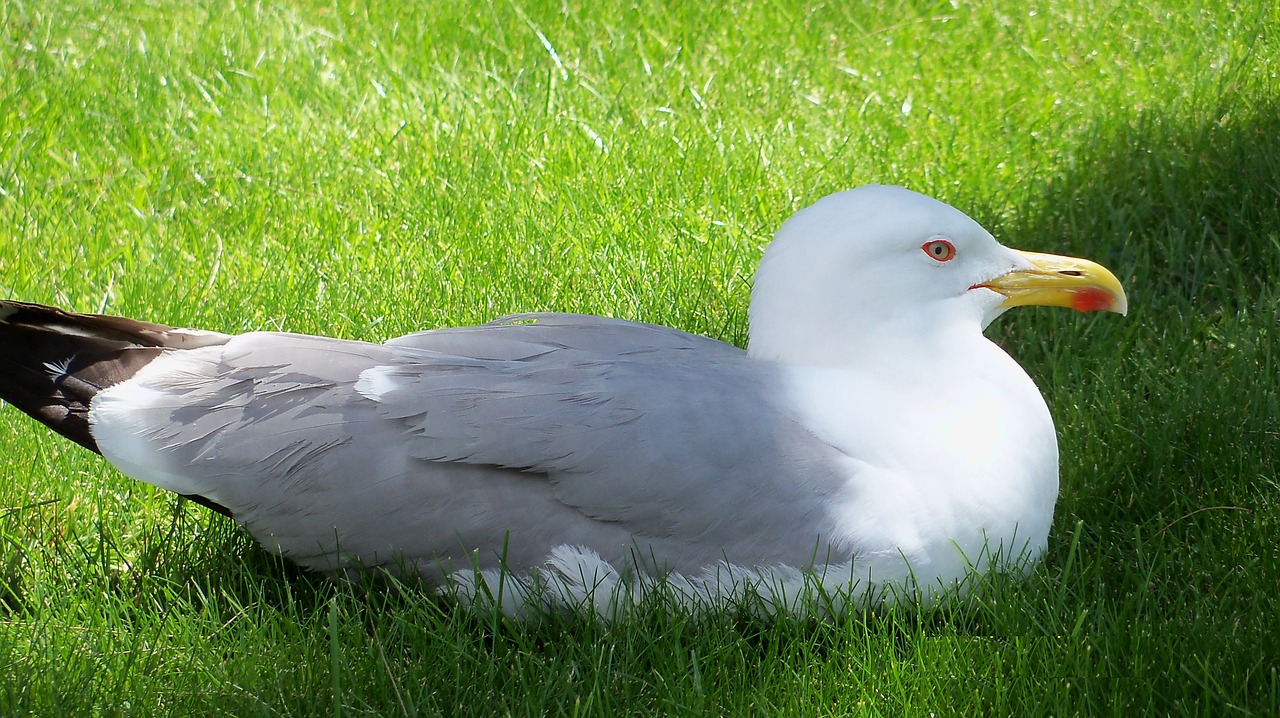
543, 428
668, 433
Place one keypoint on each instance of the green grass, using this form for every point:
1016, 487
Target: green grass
365, 169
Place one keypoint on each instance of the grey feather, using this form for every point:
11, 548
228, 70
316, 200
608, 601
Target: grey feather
554, 428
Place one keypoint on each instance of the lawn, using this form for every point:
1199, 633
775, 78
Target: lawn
365, 169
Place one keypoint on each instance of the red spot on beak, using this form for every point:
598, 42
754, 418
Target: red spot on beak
1089, 299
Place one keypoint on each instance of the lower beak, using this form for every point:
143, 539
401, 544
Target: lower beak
1057, 281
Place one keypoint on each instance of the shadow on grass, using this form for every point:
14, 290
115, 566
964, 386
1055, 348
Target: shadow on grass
1169, 420
1190, 213
1189, 217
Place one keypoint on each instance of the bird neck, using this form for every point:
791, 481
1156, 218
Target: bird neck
889, 345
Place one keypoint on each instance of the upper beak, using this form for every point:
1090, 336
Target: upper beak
1057, 281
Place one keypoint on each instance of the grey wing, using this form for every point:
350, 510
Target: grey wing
675, 437
519, 436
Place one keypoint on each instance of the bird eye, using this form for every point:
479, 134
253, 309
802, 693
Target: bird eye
939, 249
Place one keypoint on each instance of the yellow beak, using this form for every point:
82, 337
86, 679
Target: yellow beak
1056, 281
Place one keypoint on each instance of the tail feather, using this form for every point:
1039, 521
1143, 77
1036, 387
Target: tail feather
53, 362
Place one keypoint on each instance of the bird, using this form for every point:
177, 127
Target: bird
869, 440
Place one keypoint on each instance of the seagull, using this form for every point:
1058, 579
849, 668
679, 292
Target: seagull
869, 438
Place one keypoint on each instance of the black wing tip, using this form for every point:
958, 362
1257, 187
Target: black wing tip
54, 362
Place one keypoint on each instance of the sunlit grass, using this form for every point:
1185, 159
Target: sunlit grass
367, 169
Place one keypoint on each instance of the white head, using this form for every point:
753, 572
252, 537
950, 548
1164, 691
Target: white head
865, 269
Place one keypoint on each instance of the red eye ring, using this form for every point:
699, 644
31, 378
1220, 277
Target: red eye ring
939, 249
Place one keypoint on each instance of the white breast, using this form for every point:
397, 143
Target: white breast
953, 462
